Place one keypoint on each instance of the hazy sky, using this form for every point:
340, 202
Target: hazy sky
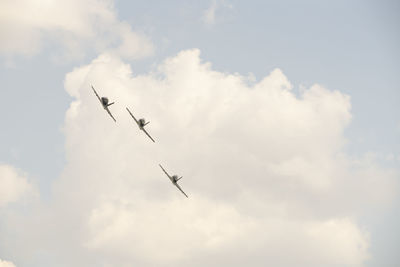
283, 117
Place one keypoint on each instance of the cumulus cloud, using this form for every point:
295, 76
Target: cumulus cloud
265, 170
13, 185
6, 264
28, 26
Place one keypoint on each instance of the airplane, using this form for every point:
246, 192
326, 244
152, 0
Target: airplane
174, 179
104, 103
141, 123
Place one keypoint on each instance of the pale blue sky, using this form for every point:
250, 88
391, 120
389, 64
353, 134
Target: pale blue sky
350, 46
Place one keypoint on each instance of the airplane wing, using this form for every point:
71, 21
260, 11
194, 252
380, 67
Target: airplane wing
133, 116
165, 171
181, 189
148, 135
108, 111
97, 95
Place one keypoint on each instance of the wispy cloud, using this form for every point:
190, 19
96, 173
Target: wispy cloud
209, 15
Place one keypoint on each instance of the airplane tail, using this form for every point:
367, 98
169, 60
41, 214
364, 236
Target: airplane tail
146, 123
179, 178
110, 104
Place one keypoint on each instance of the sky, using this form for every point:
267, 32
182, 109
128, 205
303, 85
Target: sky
282, 117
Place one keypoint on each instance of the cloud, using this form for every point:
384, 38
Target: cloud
209, 15
263, 168
13, 185
6, 264
28, 26
265, 171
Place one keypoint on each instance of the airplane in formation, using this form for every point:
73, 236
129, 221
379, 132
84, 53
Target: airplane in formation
174, 179
141, 123
104, 103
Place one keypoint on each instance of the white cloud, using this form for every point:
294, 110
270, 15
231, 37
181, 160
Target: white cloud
265, 172
13, 185
263, 168
209, 15
28, 26
6, 264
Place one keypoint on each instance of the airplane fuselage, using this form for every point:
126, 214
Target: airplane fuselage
104, 101
174, 179
142, 122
